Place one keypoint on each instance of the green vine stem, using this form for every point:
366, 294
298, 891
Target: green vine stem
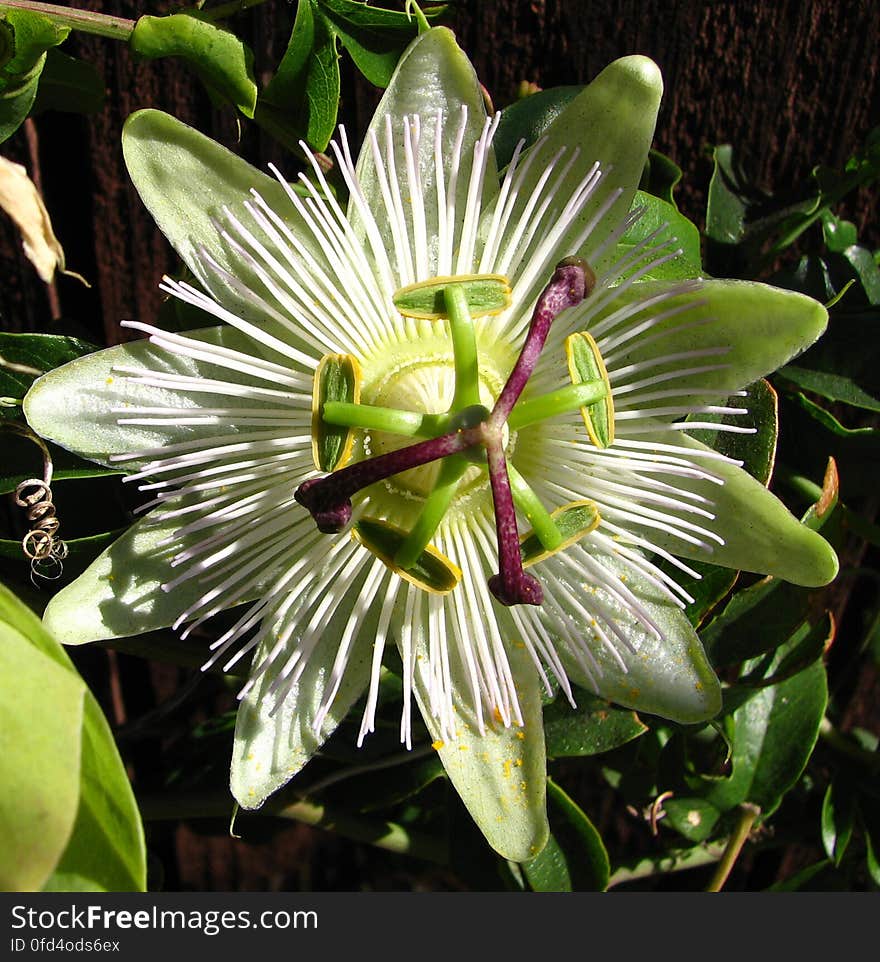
99, 24
382, 834
748, 813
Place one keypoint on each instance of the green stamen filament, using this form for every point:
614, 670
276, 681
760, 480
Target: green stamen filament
435, 507
464, 348
565, 400
369, 417
543, 525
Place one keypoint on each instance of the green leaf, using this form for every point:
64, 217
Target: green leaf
657, 215
71, 85
37, 352
707, 591
773, 734
41, 715
838, 234
223, 63
527, 119
24, 459
817, 435
574, 858
692, 817
838, 818
24, 39
660, 177
302, 99
105, 848
756, 620
592, 728
845, 364
373, 37
756, 451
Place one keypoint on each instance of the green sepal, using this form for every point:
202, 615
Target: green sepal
185, 180
500, 774
611, 121
752, 329
759, 532
272, 745
668, 676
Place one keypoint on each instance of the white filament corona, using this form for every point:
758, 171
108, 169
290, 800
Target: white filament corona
224, 495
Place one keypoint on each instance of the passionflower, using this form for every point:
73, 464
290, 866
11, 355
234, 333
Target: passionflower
449, 414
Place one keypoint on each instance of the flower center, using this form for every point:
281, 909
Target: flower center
457, 441
426, 385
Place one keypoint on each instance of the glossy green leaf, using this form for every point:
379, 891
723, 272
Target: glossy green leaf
105, 850
71, 85
500, 775
813, 435
773, 734
271, 746
660, 177
757, 451
27, 36
756, 620
708, 590
25, 460
374, 38
41, 714
574, 858
529, 118
838, 233
838, 818
806, 645
303, 96
692, 817
593, 727
220, 59
658, 214
845, 364
39, 353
